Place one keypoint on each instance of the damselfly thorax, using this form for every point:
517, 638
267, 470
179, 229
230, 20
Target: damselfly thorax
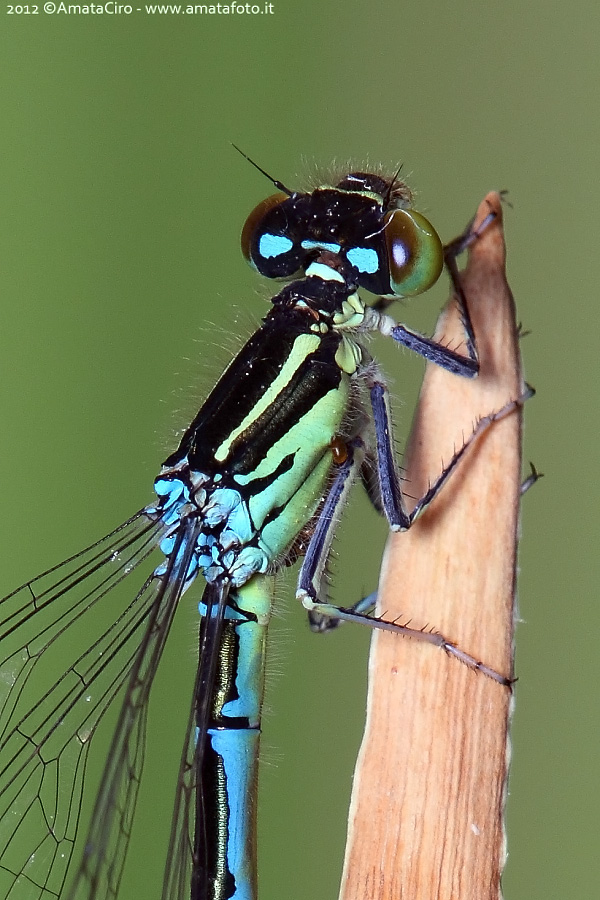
259, 479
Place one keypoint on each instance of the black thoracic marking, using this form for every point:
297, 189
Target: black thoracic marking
316, 376
257, 485
242, 386
276, 511
323, 296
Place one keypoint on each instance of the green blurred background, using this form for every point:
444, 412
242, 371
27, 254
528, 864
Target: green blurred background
121, 203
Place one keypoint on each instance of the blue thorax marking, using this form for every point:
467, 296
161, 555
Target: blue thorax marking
221, 503
222, 546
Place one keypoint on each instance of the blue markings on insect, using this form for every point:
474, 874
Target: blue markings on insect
259, 479
174, 494
271, 245
363, 259
247, 563
221, 504
235, 749
320, 245
222, 546
208, 549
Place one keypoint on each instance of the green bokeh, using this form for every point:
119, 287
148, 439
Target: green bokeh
124, 292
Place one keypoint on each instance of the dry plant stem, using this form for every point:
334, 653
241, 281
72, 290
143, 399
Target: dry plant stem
426, 819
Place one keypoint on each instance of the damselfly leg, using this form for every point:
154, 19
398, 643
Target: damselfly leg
259, 479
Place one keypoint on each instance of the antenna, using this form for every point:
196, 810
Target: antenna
392, 184
278, 184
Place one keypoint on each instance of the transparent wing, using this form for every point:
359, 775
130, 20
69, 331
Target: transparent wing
100, 872
187, 865
67, 643
180, 857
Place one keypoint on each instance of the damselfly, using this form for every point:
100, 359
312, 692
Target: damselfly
259, 480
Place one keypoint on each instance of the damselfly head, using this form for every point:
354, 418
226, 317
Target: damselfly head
364, 227
395, 194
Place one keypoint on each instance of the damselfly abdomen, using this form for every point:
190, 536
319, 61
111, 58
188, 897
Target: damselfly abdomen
259, 479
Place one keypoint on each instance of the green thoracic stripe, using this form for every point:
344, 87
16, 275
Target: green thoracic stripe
279, 532
308, 442
303, 346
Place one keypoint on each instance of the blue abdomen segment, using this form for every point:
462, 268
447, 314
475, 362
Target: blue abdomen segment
251, 472
231, 742
233, 757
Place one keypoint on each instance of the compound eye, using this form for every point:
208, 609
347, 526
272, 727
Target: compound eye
254, 220
414, 251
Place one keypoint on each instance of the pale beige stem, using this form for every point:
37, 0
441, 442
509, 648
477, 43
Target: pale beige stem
426, 819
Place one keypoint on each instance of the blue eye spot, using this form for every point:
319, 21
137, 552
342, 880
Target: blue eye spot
273, 245
363, 259
320, 245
